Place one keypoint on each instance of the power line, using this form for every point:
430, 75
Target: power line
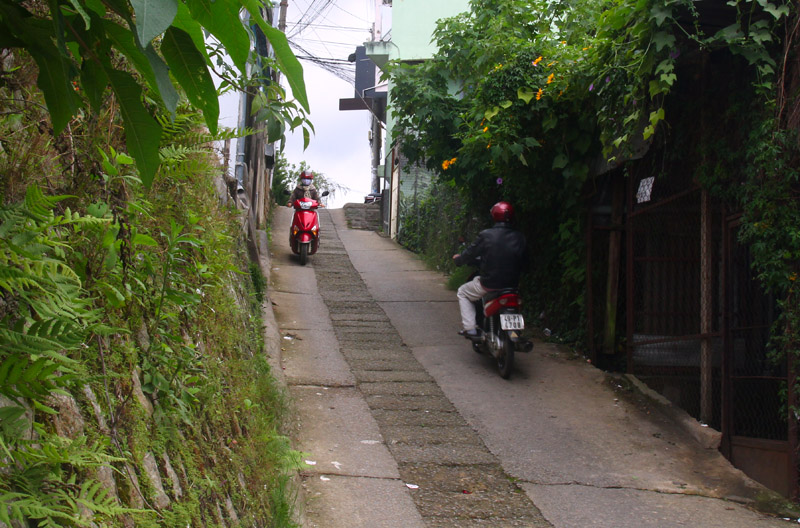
328, 60
349, 13
334, 66
309, 17
340, 28
332, 43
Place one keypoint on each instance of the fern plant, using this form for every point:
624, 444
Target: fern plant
51, 314
42, 485
45, 315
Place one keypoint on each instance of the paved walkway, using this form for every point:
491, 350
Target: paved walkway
405, 426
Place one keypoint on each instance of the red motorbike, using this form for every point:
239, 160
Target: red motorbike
501, 324
498, 315
304, 233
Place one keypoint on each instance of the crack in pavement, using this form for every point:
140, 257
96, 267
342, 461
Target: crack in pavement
694, 492
453, 478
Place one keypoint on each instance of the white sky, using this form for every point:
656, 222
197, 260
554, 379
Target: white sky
340, 148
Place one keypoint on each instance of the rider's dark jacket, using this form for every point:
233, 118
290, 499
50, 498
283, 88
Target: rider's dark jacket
503, 255
304, 191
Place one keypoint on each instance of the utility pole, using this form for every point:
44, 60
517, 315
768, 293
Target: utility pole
282, 17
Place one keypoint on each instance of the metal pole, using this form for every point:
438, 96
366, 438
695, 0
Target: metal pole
706, 278
282, 17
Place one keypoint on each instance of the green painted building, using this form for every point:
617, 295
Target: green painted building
409, 39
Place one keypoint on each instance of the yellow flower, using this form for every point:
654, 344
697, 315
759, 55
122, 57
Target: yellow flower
563, 41
489, 145
551, 63
537, 61
550, 78
486, 129
446, 164
539, 94
793, 277
586, 48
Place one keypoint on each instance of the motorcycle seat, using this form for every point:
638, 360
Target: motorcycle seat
494, 294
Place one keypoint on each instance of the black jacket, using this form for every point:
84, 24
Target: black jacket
302, 191
503, 255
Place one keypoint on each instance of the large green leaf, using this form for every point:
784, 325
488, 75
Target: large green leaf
153, 17
54, 69
94, 82
287, 61
189, 68
168, 92
221, 19
148, 64
183, 20
142, 132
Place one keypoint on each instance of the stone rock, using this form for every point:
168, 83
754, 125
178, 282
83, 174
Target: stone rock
68, 422
220, 518
29, 434
161, 499
105, 475
135, 499
98, 412
143, 338
231, 511
143, 400
177, 491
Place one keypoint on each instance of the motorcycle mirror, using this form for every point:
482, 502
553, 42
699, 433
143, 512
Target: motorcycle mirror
326, 193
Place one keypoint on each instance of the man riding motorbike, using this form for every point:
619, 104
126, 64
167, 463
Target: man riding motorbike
305, 189
502, 253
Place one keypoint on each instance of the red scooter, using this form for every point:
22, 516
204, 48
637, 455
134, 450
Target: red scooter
499, 318
304, 233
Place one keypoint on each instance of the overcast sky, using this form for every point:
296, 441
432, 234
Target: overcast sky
340, 147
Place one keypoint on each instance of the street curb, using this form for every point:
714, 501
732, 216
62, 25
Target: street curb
272, 338
272, 349
708, 437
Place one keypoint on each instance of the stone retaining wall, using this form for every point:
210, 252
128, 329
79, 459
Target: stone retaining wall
364, 216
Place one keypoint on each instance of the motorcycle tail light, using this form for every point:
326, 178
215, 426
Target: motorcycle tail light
503, 301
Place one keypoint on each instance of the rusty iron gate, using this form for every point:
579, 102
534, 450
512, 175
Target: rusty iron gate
697, 325
759, 436
673, 329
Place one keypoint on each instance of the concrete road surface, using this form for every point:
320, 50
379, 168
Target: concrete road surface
405, 426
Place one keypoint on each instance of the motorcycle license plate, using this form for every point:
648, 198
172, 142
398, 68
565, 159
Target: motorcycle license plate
512, 322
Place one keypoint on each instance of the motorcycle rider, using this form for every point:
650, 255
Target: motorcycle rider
503, 254
305, 189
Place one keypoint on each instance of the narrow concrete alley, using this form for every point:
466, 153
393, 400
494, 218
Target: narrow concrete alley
404, 426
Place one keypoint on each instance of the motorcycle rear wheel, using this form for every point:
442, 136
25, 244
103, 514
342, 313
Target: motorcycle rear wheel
505, 356
303, 254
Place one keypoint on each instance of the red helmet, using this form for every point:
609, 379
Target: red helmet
502, 212
307, 174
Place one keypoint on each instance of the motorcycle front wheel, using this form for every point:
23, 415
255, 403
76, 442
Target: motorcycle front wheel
505, 356
303, 254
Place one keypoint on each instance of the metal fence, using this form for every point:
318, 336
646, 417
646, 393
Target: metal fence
674, 337
697, 322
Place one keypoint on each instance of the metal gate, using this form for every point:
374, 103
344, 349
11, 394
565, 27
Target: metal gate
673, 328
698, 326
756, 417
